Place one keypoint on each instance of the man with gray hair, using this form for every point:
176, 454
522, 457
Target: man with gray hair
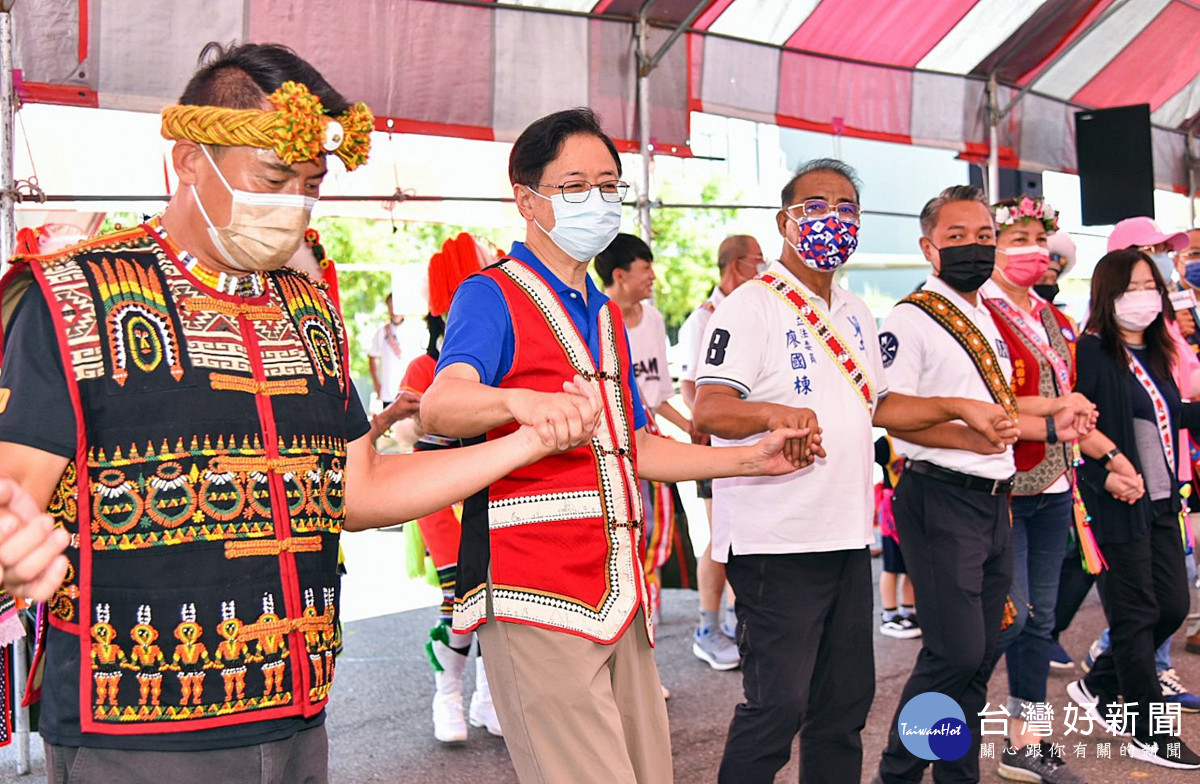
739, 259
951, 503
792, 346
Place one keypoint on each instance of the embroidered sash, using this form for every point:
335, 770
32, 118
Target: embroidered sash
1062, 372
1162, 415
973, 341
389, 337
837, 348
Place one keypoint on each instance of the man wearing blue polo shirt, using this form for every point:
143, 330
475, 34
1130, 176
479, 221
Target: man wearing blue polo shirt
550, 562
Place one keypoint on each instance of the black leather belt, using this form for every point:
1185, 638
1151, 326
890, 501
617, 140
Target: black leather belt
959, 479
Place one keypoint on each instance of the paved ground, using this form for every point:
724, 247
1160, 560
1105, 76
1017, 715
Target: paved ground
380, 730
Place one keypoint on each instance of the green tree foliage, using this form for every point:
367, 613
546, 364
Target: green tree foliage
382, 245
685, 244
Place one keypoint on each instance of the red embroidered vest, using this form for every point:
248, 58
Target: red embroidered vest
1038, 464
560, 540
205, 498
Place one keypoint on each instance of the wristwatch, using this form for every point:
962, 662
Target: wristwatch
1109, 456
1051, 431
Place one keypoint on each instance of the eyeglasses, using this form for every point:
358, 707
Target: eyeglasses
1188, 256
577, 191
811, 209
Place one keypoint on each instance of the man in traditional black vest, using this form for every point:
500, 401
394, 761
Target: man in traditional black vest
182, 407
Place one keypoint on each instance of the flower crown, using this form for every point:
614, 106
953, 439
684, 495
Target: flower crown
1012, 211
297, 130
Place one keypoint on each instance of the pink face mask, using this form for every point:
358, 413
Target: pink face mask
1025, 265
1136, 310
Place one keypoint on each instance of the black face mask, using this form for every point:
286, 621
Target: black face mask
1047, 291
967, 267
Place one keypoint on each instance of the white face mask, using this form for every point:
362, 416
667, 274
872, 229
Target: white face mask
1136, 310
264, 230
582, 229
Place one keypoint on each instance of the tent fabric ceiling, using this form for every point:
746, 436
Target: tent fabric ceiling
909, 71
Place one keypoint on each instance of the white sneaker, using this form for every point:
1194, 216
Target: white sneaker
449, 726
483, 712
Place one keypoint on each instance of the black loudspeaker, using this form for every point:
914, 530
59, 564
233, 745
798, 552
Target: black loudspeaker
1116, 164
1013, 183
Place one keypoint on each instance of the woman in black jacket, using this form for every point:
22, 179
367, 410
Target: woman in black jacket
1128, 483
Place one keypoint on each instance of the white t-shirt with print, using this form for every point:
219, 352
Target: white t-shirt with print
648, 345
758, 345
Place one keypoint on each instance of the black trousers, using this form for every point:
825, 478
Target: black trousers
1145, 596
957, 544
1074, 582
805, 622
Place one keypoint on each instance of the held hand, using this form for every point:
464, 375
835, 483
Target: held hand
703, 439
978, 443
802, 450
769, 456
990, 421
562, 420
32, 564
1124, 488
1081, 419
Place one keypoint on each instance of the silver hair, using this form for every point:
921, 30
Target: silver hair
821, 165
929, 213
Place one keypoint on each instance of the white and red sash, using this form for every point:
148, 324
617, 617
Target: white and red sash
1062, 372
837, 348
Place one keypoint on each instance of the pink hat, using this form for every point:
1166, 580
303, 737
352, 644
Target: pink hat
1142, 232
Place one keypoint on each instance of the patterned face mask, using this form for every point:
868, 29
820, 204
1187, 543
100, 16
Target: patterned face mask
826, 243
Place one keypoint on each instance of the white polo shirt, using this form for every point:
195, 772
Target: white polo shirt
992, 290
691, 335
756, 344
648, 346
923, 359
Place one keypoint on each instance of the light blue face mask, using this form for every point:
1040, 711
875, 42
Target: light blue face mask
582, 229
1166, 267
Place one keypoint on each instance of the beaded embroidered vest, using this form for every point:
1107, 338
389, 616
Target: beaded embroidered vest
561, 539
206, 495
1038, 464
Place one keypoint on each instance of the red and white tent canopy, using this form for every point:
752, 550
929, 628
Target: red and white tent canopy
911, 71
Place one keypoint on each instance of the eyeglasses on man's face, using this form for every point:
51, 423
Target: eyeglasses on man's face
812, 209
576, 191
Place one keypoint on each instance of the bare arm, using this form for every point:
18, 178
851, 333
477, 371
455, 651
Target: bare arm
899, 412
666, 460
388, 489
373, 362
457, 404
950, 435
721, 412
688, 389
674, 416
31, 561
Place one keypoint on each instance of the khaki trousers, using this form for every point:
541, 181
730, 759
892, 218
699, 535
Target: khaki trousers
575, 711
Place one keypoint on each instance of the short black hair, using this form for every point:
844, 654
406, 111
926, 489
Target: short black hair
820, 165
620, 254
540, 143
240, 76
933, 207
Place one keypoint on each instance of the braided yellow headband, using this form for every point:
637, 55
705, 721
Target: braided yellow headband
298, 129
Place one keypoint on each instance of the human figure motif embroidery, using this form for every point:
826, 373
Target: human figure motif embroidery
107, 658
146, 659
231, 654
271, 651
191, 656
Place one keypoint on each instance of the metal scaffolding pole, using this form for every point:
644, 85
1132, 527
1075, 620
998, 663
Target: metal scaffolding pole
8, 240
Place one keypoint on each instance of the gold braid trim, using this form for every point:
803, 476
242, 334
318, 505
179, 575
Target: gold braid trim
297, 130
281, 465
285, 386
214, 305
255, 547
